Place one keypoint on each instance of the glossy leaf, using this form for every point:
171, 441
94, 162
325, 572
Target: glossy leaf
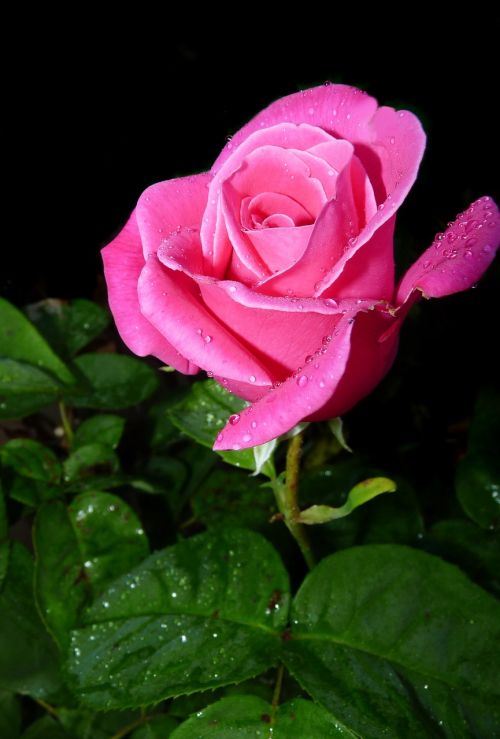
157, 727
68, 327
231, 498
104, 429
246, 717
20, 340
4, 544
112, 381
204, 613
29, 662
31, 459
475, 550
10, 715
80, 550
81, 723
204, 411
478, 473
24, 389
397, 642
46, 728
89, 460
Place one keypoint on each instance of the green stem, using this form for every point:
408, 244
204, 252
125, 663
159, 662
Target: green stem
66, 424
277, 688
287, 498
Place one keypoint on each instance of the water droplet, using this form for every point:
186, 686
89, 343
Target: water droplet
199, 331
234, 418
392, 140
236, 447
302, 381
426, 264
468, 254
322, 383
208, 339
486, 248
308, 359
254, 424
220, 437
252, 378
247, 437
330, 302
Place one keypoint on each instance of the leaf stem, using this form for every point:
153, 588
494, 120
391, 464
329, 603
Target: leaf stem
286, 494
277, 687
130, 727
66, 424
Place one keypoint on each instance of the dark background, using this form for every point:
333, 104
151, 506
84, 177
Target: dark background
101, 114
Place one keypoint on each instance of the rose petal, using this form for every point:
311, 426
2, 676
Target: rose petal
168, 205
266, 203
458, 258
285, 135
280, 247
295, 399
282, 171
389, 143
123, 262
330, 385
337, 223
170, 301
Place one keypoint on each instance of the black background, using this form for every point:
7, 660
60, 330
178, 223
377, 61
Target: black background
99, 114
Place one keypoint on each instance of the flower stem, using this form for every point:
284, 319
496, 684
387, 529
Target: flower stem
286, 494
66, 424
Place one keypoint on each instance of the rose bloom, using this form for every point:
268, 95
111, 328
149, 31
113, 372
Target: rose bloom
274, 272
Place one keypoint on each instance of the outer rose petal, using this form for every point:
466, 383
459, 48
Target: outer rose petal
170, 300
458, 258
169, 205
389, 143
123, 262
353, 364
298, 397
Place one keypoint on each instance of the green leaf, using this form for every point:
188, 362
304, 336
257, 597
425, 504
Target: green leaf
35, 471
102, 429
360, 494
478, 489
24, 389
4, 544
112, 381
46, 728
20, 340
80, 550
204, 613
10, 716
397, 642
83, 724
232, 498
90, 460
68, 327
246, 717
29, 663
158, 727
478, 473
31, 459
475, 550
202, 413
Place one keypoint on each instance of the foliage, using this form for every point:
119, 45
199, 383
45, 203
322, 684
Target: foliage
148, 585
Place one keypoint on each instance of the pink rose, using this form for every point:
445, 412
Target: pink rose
274, 272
